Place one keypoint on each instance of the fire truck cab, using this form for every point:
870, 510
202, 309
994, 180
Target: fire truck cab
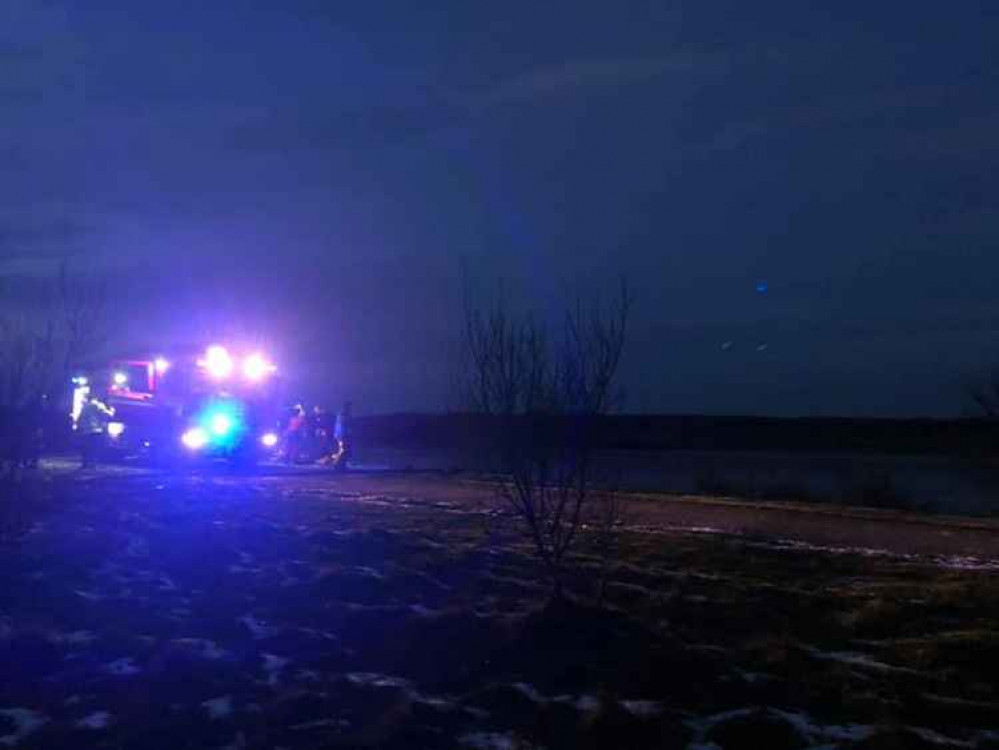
212, 402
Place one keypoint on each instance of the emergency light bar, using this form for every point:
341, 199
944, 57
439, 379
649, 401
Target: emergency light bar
219, 364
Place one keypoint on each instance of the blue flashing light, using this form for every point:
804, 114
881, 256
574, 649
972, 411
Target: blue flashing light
222, 423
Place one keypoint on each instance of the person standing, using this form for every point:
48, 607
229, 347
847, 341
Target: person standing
343, 436
93, 425
294, 434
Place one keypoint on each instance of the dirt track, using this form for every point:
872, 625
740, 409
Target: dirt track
822, 525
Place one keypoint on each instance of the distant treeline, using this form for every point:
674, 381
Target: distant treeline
962, 437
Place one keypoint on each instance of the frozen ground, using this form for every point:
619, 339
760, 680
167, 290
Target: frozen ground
303, 610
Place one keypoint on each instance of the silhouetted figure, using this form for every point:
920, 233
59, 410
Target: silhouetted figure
343, 437
92, 427
294, 435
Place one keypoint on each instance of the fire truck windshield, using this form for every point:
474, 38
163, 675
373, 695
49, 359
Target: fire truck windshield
131, 376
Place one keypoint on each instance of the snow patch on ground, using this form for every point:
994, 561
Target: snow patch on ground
588, 704
90, 596
814, 734
935, 738
825, 732
325, 635
218, 708
644, 709
96, 720
373, 679
753, 677
858, 660
529, 692
956, 562
76, 638
136, 547
125, 667
258, 628
25, 722
950, 562
272, 666
376, 680
435, 702
420, 611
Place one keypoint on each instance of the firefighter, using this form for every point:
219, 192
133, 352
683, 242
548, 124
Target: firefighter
343, 438
92, 427
294, 434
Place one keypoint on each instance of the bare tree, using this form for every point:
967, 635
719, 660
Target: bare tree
546, 395
82, 314
38, 349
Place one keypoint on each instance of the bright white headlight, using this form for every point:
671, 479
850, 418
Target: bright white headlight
195, 438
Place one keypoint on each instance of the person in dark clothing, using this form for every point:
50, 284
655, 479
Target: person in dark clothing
343, 438
92, 427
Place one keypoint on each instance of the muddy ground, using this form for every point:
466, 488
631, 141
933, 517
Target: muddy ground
304, 610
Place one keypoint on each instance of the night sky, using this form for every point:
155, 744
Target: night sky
803, 197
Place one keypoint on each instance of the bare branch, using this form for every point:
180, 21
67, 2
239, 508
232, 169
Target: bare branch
547, 397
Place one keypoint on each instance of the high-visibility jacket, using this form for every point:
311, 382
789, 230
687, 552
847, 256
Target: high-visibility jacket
94, 417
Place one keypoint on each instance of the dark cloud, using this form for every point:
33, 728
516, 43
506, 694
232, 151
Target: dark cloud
323, 166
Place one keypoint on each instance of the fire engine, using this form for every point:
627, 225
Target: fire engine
214, 402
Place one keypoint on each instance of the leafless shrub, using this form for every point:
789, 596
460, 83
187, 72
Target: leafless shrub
546, 395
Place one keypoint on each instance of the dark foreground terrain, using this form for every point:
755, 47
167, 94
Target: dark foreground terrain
310, 611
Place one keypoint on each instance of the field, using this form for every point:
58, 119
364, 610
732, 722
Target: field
305, 610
